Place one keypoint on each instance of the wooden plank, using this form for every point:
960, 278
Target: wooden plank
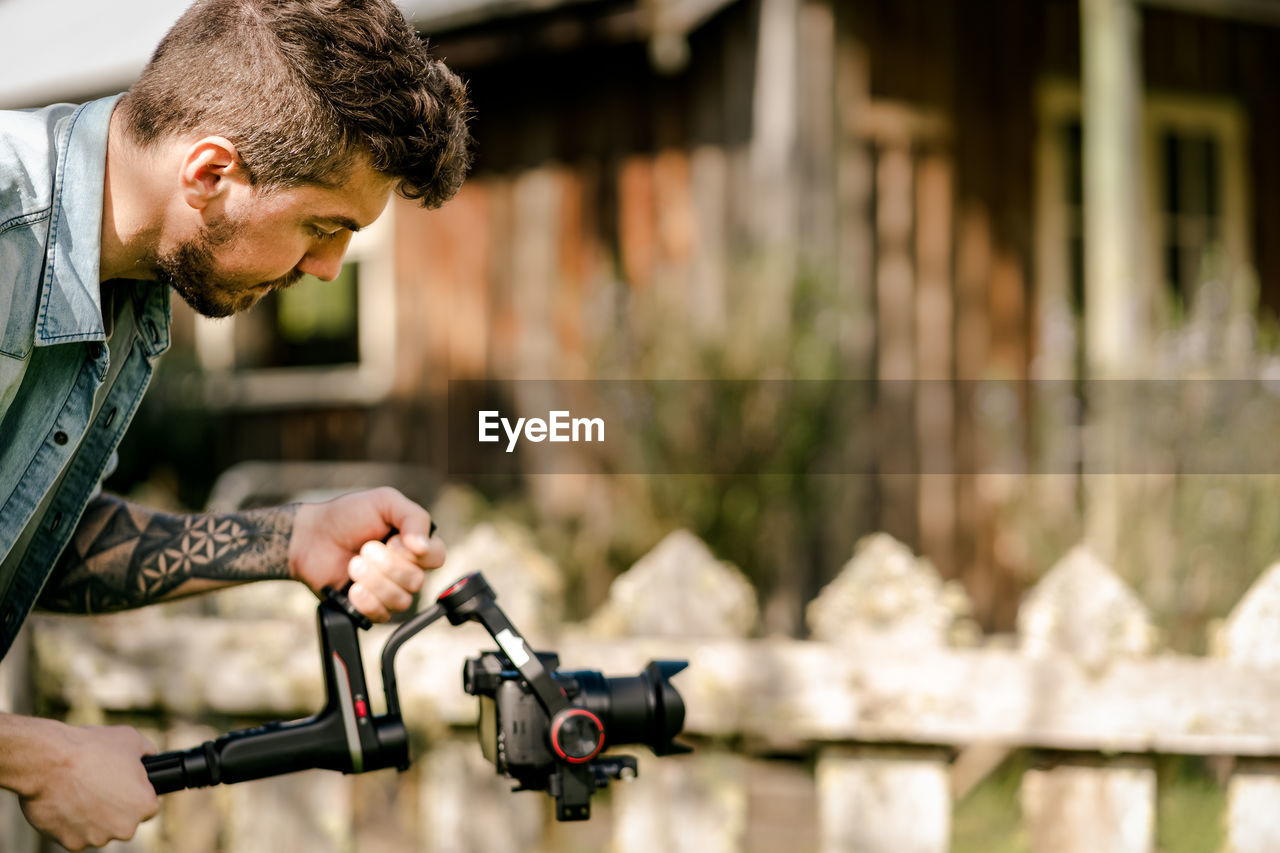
1265, 12
709, 291
576, 259
855, 185
637, 221
536, 198
817, 140
766, 689
935, 347
505, 322
448, 315
973, 511
895, 306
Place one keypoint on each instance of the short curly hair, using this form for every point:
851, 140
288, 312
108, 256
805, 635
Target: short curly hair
302, 88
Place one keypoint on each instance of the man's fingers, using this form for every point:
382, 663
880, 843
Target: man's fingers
393, 562
430, 558
391, 578
367, 603
413, 522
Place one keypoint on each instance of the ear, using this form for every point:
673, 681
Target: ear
208, 167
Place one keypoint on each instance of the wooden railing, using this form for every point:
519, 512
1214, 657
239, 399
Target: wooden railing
898, 700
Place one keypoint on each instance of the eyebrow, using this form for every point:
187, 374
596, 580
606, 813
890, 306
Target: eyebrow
340, 221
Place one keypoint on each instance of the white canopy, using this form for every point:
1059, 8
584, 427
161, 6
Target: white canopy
70, 50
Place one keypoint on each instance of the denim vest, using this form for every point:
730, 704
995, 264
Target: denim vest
63, 408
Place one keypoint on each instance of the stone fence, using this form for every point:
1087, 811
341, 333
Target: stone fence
895, 706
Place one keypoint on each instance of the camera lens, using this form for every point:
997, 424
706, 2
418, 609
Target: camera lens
644, 708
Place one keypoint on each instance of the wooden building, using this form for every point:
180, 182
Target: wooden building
916, 171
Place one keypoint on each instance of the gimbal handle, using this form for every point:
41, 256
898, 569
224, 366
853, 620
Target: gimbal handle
345, 735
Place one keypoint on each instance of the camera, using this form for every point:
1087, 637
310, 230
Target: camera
542, 727
560, 753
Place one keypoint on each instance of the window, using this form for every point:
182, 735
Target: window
311, 324
1196, 206
315, 343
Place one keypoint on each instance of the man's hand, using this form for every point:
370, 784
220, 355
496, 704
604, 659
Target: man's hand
342, 539
90, 788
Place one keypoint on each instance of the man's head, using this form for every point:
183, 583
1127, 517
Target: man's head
293, 120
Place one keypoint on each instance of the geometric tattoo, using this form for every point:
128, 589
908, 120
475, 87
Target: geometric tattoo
123, 555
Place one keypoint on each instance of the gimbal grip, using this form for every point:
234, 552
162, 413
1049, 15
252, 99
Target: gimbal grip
339, 597
165, 772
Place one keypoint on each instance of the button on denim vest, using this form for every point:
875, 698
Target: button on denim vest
52, 354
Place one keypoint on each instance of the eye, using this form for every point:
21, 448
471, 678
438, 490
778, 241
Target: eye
320, 234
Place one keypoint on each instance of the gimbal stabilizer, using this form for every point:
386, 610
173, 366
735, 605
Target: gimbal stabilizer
542, 727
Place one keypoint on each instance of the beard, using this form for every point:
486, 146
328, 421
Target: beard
190, 268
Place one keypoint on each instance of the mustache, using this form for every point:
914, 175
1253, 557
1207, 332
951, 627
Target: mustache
289, 280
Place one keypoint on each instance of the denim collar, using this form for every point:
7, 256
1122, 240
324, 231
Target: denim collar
70, 296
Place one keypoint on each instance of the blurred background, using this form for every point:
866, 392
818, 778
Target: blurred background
996, 205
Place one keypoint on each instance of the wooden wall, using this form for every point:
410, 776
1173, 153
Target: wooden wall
607, 194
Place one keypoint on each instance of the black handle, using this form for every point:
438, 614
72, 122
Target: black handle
276, 749
344, 736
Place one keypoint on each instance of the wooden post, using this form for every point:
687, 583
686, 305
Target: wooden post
935, 363
882, 800
772, 159
1083, 611
1250, 638
896, 305
681, 803
302, 811
1116, 315
190, 820
466, 807
684, 805
855, 192
874, 799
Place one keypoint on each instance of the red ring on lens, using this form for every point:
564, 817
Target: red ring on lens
558, 722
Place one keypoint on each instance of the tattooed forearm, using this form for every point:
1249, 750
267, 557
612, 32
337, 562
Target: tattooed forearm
123, 555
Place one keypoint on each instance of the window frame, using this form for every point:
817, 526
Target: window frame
1059, 101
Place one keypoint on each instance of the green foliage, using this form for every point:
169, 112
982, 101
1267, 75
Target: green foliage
747, 435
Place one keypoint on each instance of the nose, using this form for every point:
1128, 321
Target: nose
324, 261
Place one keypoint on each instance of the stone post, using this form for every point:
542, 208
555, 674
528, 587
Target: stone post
300, 811
1082, 610
465, 806
696, 802
1250, 639
882, 799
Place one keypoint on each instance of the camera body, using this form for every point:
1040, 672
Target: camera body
560, 752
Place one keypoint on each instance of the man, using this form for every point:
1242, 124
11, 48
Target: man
259, 137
